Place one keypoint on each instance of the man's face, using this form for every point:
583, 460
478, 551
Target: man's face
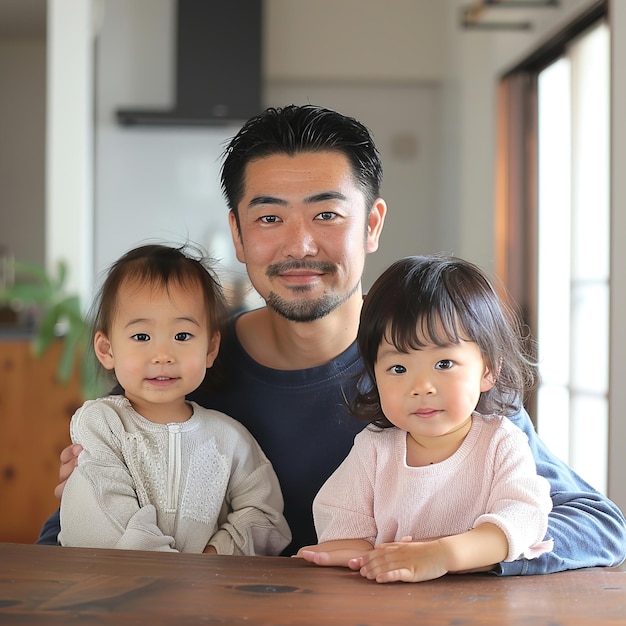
304, 232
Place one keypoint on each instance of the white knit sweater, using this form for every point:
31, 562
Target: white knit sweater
174, 487
375, 495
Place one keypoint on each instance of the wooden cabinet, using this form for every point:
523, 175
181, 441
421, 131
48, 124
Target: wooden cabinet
35, 411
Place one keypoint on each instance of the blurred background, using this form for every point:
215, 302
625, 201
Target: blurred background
110, 138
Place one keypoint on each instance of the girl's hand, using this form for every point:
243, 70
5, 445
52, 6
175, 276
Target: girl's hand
403, 561
335, 553
414, 561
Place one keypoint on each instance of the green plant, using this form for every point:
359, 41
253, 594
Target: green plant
58, 315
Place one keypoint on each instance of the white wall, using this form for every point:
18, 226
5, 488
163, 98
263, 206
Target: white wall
354, 40
69, 142
22, 147
474, 60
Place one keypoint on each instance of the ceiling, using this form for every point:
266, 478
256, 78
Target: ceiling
22, 18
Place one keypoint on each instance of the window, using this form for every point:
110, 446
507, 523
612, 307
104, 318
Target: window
573, 254
556, 147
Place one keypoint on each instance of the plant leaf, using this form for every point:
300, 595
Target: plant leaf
35, 286
30, 294
68, 356
45, 333
59, 282
33, 270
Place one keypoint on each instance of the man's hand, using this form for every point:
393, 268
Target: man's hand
69, 461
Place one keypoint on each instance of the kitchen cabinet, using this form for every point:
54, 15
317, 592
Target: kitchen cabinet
35, 411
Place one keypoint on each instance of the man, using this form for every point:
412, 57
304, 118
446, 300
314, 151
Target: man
302, 184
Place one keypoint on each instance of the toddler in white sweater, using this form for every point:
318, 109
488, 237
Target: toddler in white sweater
158, 472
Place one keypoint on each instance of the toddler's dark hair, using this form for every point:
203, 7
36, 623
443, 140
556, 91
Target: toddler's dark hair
295, 129
443, 300
161, 266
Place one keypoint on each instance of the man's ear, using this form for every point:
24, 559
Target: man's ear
488, 380
375, 224
102, 348
214, 347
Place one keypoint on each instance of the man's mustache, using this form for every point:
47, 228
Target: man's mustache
276, 269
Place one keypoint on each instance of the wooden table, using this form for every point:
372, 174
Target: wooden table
51, 585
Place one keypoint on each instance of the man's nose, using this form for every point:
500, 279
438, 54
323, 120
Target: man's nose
299, 240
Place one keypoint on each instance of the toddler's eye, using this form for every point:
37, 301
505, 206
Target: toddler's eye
183, 336
444, 364
141, 337
398, 369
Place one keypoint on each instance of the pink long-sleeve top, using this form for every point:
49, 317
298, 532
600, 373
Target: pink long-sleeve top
375, 495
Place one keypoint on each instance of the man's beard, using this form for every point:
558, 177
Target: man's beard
305, 310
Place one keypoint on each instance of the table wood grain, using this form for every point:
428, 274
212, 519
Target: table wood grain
52, 585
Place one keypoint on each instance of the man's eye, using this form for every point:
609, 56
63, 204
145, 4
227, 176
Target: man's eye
183, 336
326, 216
270, 219
444, 364
141, 337
397, 369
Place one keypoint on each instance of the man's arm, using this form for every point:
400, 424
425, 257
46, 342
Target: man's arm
50, 531
588, 529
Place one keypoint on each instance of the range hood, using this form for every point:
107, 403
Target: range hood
218, 66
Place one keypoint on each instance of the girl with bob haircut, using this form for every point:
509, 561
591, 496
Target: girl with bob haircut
440, 481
